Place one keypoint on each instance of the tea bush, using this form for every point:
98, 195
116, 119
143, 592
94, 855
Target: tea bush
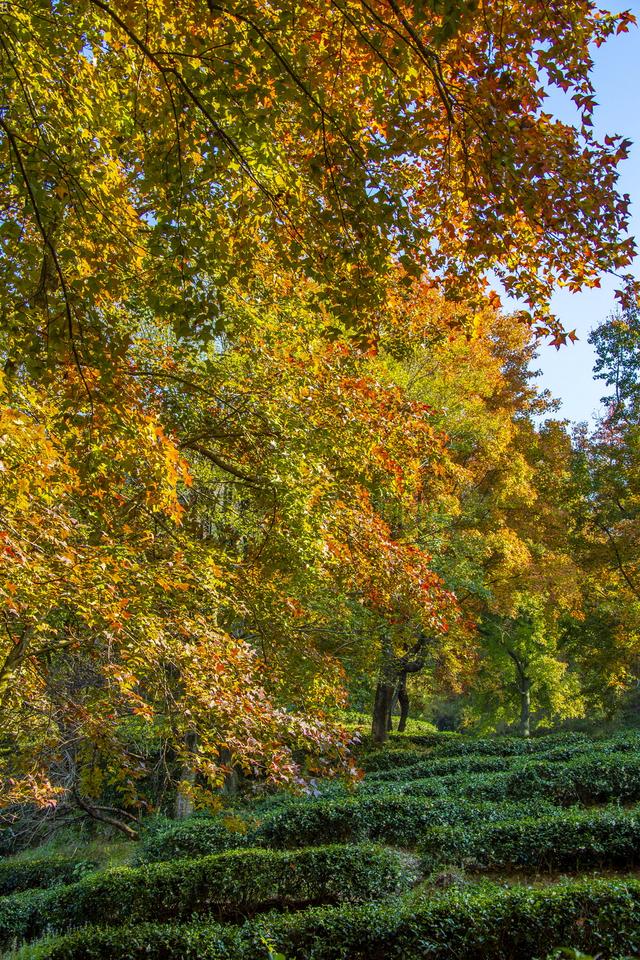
229, 885
568, 840
601, 917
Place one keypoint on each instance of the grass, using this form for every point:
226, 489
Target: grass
106, 850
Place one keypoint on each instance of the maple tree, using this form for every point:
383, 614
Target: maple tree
109, 633
265, 432
606, 485
153, 154
499, 523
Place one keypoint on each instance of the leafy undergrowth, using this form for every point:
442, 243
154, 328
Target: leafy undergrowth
451, 846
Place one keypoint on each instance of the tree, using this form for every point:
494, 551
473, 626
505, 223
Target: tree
607, 499
523, 654
225, 573
330, 142
111, 663
225, 229
499, 521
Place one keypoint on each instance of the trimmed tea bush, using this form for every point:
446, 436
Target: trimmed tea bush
566, 841
408, 764
194, 837
45, 872
592, 778
600, 917
228, 885
399, 820
440, 766
451, 745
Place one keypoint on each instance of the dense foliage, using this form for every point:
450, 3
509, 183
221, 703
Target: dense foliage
270, 445
275, 471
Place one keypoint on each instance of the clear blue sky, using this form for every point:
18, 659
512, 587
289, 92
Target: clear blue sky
568, 372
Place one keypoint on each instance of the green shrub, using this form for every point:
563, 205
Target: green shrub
437, 767
592, 778
44, 872
567, 840
389, 759
387, 818
475, 786
600, 917
194, 837
451, 745
145, 941
228, 885
413, 764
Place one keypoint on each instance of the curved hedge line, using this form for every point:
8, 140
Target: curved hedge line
226, 886
590, 778
399, 820
440, 766
566, 841
44, 872
587, 779
396, 819
601, 917
452, 745
402, 765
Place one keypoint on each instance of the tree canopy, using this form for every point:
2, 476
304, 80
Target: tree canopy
269, 442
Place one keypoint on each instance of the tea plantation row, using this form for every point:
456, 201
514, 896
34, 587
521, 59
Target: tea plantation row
362, 872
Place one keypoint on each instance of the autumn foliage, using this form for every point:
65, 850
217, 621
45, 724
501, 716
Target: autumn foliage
267, 436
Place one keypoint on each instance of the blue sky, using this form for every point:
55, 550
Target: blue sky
568, 372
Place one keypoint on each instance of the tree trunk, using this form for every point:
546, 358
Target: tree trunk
403, 700
524, 727
523, 684
184, 803
382, 711
231, 785
394, 701
393, 676
10, 669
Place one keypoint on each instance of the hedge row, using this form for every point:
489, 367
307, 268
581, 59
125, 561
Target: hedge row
568, 840
195, 837
45, 872
398, 820
586, 779
388, 818
445, 766
226, 886
601, 917
412, 764
397, 764
400, 817
451, 745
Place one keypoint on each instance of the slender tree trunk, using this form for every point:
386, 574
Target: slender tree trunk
394, 701
382, 711
524, 727
393, 677
184, 803
403, 700
11, 666
523, 684
231, 785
